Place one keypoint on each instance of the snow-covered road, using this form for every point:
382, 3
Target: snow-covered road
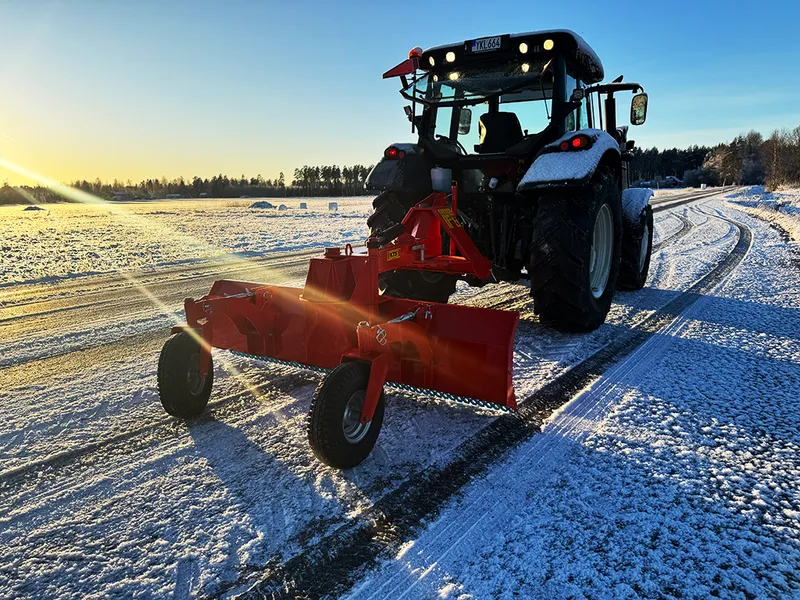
655, 457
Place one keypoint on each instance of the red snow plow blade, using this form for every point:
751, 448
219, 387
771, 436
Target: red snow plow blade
340, 317
452, 349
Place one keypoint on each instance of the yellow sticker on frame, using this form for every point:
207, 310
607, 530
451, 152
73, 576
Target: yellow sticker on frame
449, 218
392, 254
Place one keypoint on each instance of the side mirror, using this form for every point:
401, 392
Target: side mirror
464, 121
639, 109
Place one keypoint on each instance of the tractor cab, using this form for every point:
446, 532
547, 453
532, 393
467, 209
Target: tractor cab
501, 99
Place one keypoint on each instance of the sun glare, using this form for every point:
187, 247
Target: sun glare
133, 219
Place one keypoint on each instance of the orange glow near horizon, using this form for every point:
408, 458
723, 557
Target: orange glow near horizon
136, 221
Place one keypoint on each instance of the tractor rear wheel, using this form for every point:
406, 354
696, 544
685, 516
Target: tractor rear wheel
637, 246
183, 390
335, 432
390, 209
575, 253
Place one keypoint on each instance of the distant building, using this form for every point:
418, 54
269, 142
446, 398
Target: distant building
120, 196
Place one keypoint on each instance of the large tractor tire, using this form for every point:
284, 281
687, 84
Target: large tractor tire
390, 209
335, 433
184, 392
575, 253
637, 246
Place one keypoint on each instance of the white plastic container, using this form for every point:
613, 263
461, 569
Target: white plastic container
441, 179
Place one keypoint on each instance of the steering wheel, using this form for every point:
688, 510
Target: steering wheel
443, 138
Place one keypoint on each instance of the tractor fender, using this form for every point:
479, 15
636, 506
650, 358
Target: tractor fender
554, 167
634, 201
410, 173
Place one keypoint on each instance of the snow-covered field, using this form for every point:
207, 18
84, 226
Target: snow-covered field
69, 240
671, 470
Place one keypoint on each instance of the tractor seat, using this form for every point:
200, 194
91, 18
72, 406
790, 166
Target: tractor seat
499, 131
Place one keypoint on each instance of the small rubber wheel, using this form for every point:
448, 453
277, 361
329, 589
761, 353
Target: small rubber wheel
184, 392
637, 246
335, 432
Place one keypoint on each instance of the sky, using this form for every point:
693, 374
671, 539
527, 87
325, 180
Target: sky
138, 89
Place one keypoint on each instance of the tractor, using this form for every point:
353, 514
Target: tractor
542, 196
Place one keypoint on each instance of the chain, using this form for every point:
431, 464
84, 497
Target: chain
398, 387
277, 361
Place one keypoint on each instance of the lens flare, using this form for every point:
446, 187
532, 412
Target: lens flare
131, 218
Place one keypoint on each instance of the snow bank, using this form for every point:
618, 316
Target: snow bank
781, 208
262, 204
633, 202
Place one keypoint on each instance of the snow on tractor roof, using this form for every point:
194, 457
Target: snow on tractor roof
582, 62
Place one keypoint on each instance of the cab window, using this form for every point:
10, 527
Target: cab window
579, 119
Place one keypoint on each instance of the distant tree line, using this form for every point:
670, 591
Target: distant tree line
747, 160
653, 164
307, 181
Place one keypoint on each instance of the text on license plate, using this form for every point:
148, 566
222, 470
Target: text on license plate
486, 44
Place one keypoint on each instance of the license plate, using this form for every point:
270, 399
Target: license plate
486, 44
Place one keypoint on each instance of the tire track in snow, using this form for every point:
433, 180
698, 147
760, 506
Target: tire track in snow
667, 204
686, 228
574, 423
335, 562
115, 284
579, 419
140, 438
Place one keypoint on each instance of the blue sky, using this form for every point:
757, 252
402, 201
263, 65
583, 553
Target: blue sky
137, 89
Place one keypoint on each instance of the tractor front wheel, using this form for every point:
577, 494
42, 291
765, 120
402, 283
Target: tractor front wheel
637, 246
183, 389
335, 432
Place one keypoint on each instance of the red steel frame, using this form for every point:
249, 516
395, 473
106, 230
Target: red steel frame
340, 316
